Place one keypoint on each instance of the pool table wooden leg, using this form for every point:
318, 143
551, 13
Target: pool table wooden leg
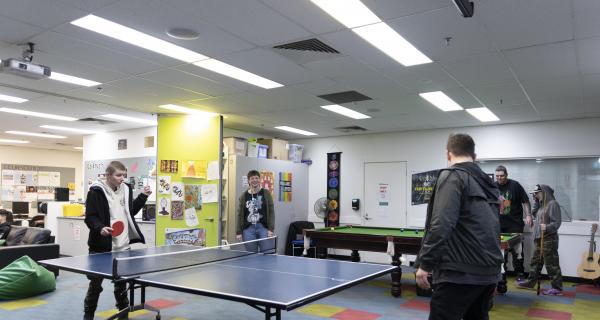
396, 276
355, 257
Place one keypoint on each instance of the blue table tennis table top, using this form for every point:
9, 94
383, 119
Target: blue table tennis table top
282, 282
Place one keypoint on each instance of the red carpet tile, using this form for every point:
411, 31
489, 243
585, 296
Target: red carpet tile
350, 314
408, 287
548, 314
588, 288
569, 294
162, 303
422, 305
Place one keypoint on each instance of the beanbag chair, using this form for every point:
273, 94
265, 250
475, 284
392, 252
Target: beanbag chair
25, 278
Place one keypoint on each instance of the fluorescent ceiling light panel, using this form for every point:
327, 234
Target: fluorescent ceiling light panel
351, 13
441, 101
136, 38
78, 148
37, 114
13, 141
174, 107
4, 97
483, 114
237, 73
129, 119
34, 134
345, 111
73, 80
70, 129
294, 130
386, 39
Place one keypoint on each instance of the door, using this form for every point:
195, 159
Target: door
385, 194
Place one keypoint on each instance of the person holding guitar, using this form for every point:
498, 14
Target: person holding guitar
546, 242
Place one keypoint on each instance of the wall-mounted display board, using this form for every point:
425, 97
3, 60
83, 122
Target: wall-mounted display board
29, 183
576, 181
188, 182
141, 171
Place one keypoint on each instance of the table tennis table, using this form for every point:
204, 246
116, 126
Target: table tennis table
267, 282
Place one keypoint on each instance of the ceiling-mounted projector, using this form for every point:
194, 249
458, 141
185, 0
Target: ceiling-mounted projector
25, 69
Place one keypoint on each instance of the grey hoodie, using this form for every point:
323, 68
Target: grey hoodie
548, 213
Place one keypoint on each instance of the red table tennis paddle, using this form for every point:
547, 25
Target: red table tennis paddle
118, 226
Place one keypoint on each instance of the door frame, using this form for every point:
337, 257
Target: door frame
405, 208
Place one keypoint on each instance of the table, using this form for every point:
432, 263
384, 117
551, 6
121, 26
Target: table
395, 241
267, 282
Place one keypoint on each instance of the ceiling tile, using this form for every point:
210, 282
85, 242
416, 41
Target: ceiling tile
550, 60
591, 86
15, 32
374, 85
422, 78
43, 14
586, 22
587, 53
501, 96
190, 82
480, 70
553, 88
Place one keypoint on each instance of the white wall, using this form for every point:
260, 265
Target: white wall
45, 157
104, 145
424, 150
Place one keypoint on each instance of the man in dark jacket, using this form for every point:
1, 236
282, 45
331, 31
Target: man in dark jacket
109, 201
461, 246
4, 223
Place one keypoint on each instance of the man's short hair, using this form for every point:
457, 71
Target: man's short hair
502, 168
114, 166
461, 144
253, 173
7, 214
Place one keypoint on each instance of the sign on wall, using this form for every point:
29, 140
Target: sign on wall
422, 186
333, 189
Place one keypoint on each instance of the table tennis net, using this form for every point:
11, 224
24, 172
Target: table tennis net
131, 266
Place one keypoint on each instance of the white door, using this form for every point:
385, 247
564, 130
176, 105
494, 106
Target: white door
385, 194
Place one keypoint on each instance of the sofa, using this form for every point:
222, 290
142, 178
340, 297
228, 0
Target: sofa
37, 243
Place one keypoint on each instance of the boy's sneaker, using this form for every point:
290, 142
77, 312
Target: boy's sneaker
525, 284
552, 292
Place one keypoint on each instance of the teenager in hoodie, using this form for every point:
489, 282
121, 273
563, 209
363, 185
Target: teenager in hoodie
106, 202
461, 246
548, 221
4, 223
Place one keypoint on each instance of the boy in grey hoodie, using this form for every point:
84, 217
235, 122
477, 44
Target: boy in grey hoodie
548, 221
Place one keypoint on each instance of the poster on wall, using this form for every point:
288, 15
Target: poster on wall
177, 210
333, 189
194, 169
210, 193
169, 166
164, 185
193, 196
177, 189
383, 194
8, 178
285, 186
267, 180
422, 186
194, 237
164, 206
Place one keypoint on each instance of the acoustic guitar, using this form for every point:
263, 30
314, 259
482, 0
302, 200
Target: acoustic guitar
589, 267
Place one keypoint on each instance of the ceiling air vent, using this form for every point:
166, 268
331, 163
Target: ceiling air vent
99, 121
350, 129
305, 51
344, 97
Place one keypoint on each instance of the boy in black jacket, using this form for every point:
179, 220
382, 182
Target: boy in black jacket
461, 246
4, 223
109, 201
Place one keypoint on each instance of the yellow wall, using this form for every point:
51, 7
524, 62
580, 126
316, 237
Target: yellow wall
185, 138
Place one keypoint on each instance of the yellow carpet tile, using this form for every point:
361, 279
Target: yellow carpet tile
107, 313
21, 303
508, 312
321, 310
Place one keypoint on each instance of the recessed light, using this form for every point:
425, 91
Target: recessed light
441, 101
70, 129
13, 141
345, 111
35, 134
78, 148
73, 80
129, 119
174, 107
37, 114
237, 73
294, 130
483, 114
8, 98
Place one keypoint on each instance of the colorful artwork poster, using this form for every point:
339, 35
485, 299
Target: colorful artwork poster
332, 219
177, 210
285, 186
193, 196
177, 191
422, 186
194, 169
268, 181
164, 185
192, 237
169, 166
164, 206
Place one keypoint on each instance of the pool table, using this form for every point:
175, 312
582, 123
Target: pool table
378, 239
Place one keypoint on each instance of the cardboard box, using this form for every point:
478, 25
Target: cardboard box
277, 148
295, 152
72, 210
253, 149
236, 146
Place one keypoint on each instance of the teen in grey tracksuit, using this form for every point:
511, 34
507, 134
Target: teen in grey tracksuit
548, 214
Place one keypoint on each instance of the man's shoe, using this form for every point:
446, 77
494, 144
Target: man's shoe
521, 276
552, 292
525, 284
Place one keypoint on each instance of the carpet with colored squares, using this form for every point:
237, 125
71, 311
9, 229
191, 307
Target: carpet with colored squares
368, 301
